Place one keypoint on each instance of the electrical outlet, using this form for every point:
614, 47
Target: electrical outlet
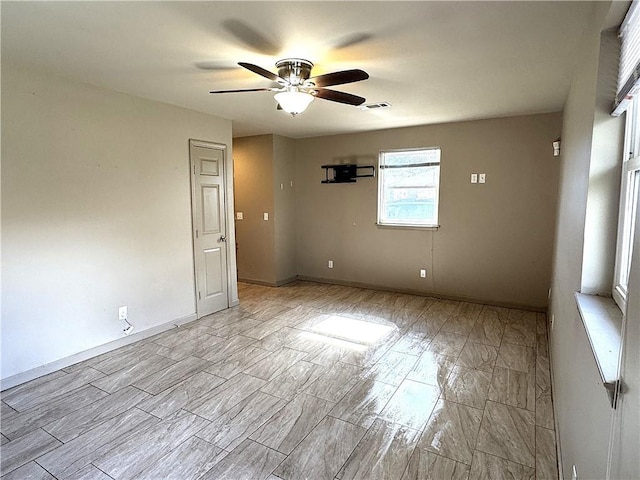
482, 178
549, 296
553, 317
330, 263
239, 216
122, 313
474, 178
265, 216
574, 473
423, 273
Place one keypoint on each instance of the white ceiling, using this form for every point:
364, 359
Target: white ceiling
433, 62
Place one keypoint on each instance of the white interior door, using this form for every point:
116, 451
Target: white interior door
209, 226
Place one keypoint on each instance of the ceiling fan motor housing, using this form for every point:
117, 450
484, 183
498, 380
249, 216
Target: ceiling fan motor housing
294, 70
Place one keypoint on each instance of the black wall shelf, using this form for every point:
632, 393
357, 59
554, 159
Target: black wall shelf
346, 172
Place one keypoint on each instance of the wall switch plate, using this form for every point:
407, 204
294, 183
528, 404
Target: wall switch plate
474, 178
122, 313
482, 178
423, 273
330, 263
239, 216
265, 216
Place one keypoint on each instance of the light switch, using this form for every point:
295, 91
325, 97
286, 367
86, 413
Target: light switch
474, 178
239, 216
265, 216
482, 178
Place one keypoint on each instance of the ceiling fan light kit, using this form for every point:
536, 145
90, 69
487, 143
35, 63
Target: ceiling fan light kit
298, 90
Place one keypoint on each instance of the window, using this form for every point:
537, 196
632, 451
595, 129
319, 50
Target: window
408, 187
629, 192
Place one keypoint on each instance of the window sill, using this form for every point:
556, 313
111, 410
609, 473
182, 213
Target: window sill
409, 227
602, 320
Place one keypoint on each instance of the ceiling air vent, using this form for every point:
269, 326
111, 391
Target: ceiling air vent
374, 106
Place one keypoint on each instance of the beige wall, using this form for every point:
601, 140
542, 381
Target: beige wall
96, 214
581, 403
495, 240
254, 196
284, 161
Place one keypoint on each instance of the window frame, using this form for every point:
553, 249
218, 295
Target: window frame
385, 222
628, 203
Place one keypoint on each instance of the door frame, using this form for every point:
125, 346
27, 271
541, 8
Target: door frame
232, 277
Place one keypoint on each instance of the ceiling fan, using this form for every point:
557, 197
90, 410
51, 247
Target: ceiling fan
297, 89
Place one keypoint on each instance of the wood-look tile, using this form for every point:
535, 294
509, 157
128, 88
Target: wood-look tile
163, 379
6, 411
452, 431
133, 373
328, 356
235, 425
335, 382
460, 325
225, 396
275, 363
39, 393
249, 460
508, 432
432, 368
520, 334
411, 404
3, 439
364, 402
523, 317
392, 368
293, 380
142, 449
188, 461
89, 473
321, 454
264, 329
223, 350
541, 323
478, 356
542, 345
74, 424
428, 327
382, 454
236, 328
32, 384
81, 451
29, 471
411, 343
512, 387
516, 357
546, 458
496, 313
278, 339
403, 318
487, 331
176, 398
191, 348
18, 424
425, 465
23, 450
368, 357
448, 344
125, 357
467, 386
291, 424
543, 376
490, 467
238, 361
544, 412
180, 334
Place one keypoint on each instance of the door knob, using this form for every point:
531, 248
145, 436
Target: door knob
222, 238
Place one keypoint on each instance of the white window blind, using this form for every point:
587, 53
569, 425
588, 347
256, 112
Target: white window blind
629, 69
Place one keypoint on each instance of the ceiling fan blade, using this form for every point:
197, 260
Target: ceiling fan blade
340, 97
246, 90
262, 72
339, 78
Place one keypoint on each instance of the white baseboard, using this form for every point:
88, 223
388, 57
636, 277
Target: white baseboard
37, 372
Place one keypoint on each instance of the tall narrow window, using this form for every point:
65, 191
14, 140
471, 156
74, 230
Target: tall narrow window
629, 193
408, 187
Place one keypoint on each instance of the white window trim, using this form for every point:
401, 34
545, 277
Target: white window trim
630, 167
380, 222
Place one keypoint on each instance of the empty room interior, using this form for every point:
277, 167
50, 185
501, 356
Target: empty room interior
320, 240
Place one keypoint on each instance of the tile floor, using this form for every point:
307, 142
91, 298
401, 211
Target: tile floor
306, 381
